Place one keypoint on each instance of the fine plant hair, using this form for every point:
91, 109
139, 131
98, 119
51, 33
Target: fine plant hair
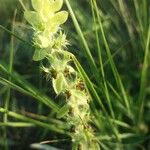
51, 44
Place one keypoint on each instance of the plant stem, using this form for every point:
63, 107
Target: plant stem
144, 77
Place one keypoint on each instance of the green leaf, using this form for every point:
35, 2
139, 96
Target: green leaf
48, 126
56, 5
39, 54
79, 94
38, 4
60, 83
63, 111
47, 6
33, 18
46, 9
78, 98
42, 40
59, 18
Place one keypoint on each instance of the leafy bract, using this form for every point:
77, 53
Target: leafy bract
77, 94
39, 54
63, 111
42, 40
38, 4
59, 18
55, 5
47, 6
45, 16
60, 83
33, 18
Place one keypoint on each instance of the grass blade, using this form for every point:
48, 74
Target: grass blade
16, 36
17, 124
27, 119
86, 50
37, 96
111, 61
11, 57
144, 77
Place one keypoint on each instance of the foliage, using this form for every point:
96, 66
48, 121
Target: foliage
111, 41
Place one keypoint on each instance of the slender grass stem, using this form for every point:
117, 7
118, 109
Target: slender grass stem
40, 97
144, 77
101, 63
141, 29
113, 66
17, 124
30, 120
103, 73
8, 93
87, 49
16, 36
127, 19
22, 4
11, 59
40, 105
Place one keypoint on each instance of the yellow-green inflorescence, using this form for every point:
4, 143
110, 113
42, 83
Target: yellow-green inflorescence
50, 43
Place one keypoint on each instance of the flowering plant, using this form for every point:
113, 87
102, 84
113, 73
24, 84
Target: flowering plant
51, 44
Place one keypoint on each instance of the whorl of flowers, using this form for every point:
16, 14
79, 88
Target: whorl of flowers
50, 43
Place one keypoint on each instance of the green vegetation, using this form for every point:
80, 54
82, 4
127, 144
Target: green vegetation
88, 85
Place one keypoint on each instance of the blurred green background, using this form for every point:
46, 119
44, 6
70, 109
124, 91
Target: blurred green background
126, 24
